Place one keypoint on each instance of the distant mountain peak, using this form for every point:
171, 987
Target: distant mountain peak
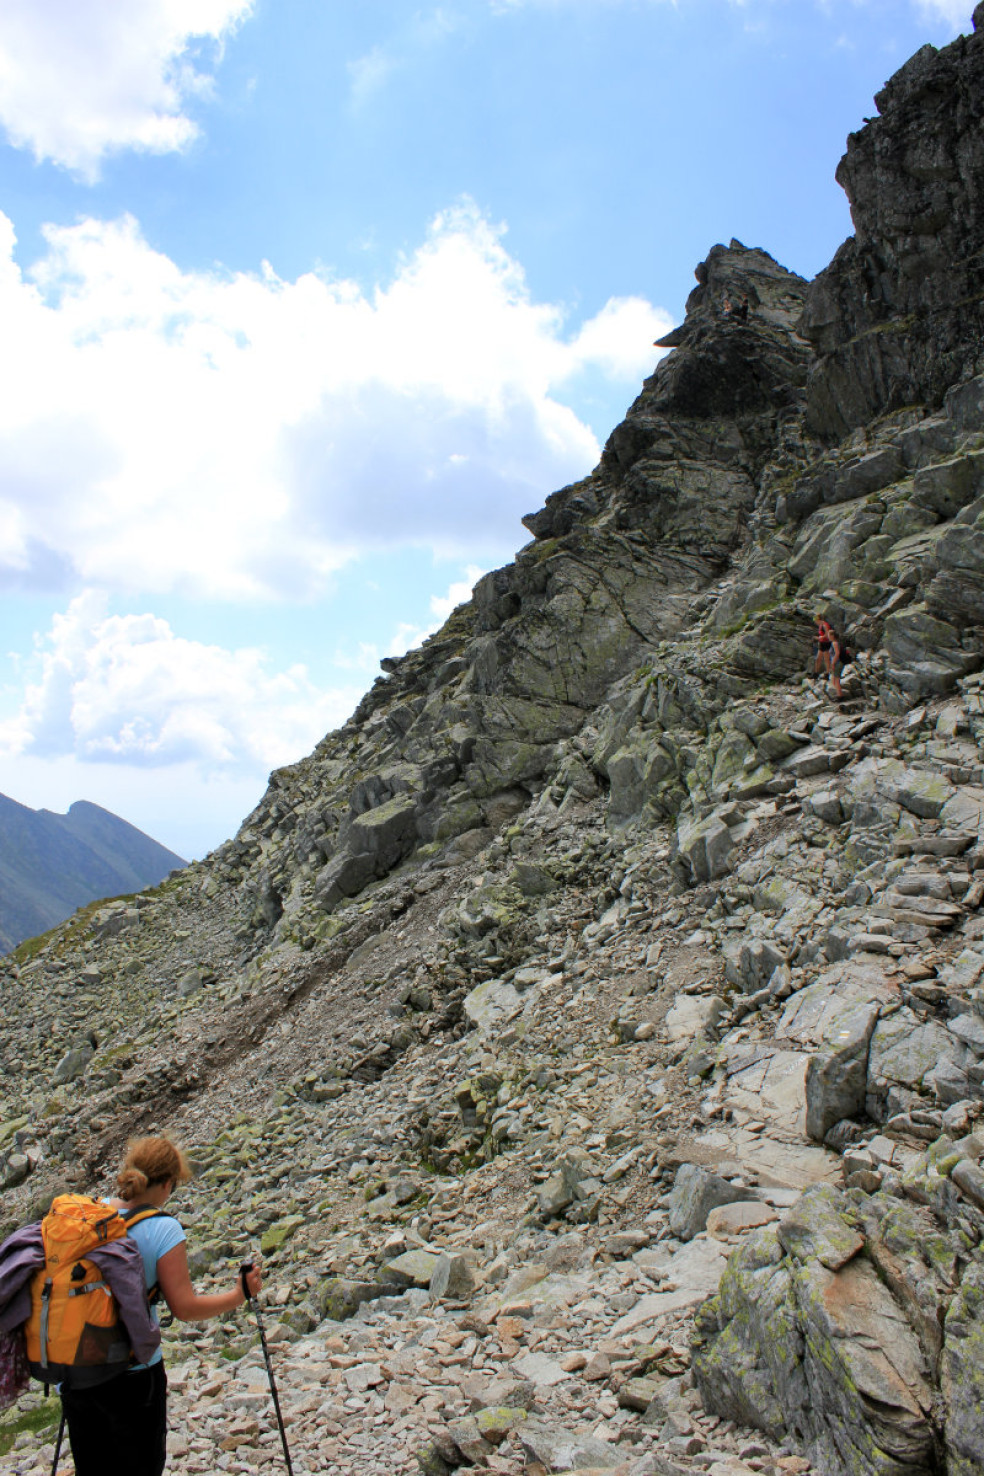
50, 864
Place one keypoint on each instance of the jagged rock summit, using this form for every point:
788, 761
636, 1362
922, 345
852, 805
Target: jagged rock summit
591, 1030
897, 317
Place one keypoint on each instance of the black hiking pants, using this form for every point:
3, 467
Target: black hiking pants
120, 1427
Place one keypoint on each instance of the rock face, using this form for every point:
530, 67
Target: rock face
591, 1031
898, 316
838, 1323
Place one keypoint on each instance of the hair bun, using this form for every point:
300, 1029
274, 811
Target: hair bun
131, 1182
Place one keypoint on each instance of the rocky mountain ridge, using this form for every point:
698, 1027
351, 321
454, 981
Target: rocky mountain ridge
51, 864
591, 1030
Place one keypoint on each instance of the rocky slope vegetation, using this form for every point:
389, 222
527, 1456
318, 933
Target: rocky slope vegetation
591, 1031
51, 864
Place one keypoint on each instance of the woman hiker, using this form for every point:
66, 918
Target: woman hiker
830, 654
821, 645
119, 1428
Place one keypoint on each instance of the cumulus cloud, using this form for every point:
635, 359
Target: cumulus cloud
125, 689
80, 79
459, 591
407, 635
240, 435
956, 13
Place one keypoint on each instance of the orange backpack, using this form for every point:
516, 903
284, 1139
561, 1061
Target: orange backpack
74, 1334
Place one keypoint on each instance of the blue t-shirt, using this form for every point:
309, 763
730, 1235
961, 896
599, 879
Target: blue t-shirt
154, 1238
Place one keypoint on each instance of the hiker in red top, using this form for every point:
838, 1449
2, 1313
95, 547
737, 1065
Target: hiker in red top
830, 654
821, 645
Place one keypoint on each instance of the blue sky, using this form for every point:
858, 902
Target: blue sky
305, 303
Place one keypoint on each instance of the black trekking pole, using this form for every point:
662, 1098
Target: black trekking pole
244, 1271
58, 1444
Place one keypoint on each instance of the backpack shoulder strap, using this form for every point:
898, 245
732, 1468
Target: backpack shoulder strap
142, 1212
139, 1213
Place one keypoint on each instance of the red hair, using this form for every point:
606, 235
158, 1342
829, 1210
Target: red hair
148, 1162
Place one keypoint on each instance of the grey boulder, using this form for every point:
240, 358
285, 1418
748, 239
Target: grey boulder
697, 1191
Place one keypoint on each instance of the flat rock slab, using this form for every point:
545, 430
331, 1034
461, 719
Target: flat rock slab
539, 1369
922, 792
564, 1450
696, 1269
906, 1050
731, 1466
964, 971
413, 1268
732, 1220
938, 845
964, 811
362, 1377
491, 1004
969, 1029
818, 1014
554, 1290
808, 762
772, 1088
690, 1015
780, 1159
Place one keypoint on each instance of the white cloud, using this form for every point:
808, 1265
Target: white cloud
125, 690
231, 436
459, 591
956, 13
80, 79
407, 635
613, 339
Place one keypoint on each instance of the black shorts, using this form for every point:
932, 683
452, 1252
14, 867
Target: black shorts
119, 1428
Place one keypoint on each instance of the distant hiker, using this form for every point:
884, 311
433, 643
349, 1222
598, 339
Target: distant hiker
821, 645
840, 656
832, 655
835, 663
741, 311
104, 1351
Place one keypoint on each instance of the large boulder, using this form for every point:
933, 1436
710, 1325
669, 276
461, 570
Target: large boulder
696, 1192
705, 848
908, 1053
837, 1016
635, 772
822, 1331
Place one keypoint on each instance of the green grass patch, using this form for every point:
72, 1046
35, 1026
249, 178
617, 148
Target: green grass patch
42, 1422
74, 928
